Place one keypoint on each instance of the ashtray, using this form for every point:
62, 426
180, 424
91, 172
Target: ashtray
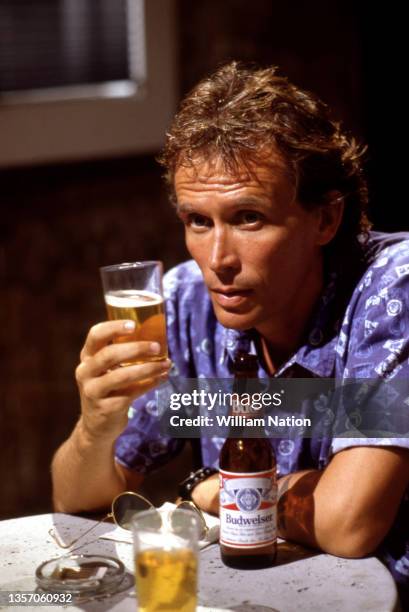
80, 574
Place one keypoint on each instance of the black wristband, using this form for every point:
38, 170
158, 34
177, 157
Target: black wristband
186, 486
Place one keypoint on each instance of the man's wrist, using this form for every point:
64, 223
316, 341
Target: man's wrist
187, 486
85, 439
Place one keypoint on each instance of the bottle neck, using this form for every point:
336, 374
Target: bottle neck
245, 370
246, 422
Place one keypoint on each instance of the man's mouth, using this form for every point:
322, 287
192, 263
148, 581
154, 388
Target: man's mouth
230, 296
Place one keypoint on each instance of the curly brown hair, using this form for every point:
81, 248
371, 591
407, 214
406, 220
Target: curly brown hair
239, 111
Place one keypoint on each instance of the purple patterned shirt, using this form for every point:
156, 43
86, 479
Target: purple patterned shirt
362, 332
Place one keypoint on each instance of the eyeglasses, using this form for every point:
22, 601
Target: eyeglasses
126, 506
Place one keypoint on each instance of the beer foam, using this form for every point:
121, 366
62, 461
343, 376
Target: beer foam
164, 540
132, 298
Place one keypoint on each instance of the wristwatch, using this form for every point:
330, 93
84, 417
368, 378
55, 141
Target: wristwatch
186, 486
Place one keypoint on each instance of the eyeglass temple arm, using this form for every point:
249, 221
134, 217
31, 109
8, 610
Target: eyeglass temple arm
61, 544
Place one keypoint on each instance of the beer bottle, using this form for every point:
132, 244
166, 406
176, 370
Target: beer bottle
248, 489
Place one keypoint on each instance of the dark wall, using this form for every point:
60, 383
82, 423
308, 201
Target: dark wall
59, 224
318, 45
384, 103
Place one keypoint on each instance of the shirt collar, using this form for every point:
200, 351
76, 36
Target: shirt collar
317, 353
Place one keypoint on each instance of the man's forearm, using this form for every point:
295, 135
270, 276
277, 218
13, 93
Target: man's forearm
84, 473
345, 509
295, 511
303, 514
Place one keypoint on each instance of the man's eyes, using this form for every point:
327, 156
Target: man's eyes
250, 218
197, 221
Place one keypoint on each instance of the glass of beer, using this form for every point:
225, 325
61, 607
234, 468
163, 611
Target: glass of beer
166, 560
134, 291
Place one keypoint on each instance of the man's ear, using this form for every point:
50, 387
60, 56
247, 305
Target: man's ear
329, 217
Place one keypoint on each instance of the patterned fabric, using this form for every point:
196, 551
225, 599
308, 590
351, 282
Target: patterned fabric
360, 330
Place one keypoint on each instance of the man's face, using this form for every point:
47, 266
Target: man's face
255, 245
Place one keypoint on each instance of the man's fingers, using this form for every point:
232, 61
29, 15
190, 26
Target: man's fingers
137, 389
132, 378
103, 333
114, 355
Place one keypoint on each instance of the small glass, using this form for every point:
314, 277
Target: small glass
166, 560
134, 291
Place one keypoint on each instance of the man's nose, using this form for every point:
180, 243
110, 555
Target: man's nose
223, 256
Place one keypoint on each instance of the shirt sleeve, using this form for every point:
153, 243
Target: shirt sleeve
375, 335
142, 446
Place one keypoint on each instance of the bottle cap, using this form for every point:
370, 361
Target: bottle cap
244, 362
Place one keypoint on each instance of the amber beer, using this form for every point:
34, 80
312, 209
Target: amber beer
147, 309
248, 489
166, 580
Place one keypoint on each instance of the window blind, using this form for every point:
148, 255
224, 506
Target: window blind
57, 43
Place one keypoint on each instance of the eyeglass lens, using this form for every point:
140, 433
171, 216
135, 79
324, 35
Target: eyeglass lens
178, 520
125, 507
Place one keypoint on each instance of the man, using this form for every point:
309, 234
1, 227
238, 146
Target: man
272, 197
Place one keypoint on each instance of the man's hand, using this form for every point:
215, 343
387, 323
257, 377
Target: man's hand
206, 494
85, 475
106, 388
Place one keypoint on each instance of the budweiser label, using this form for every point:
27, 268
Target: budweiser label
248, 509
